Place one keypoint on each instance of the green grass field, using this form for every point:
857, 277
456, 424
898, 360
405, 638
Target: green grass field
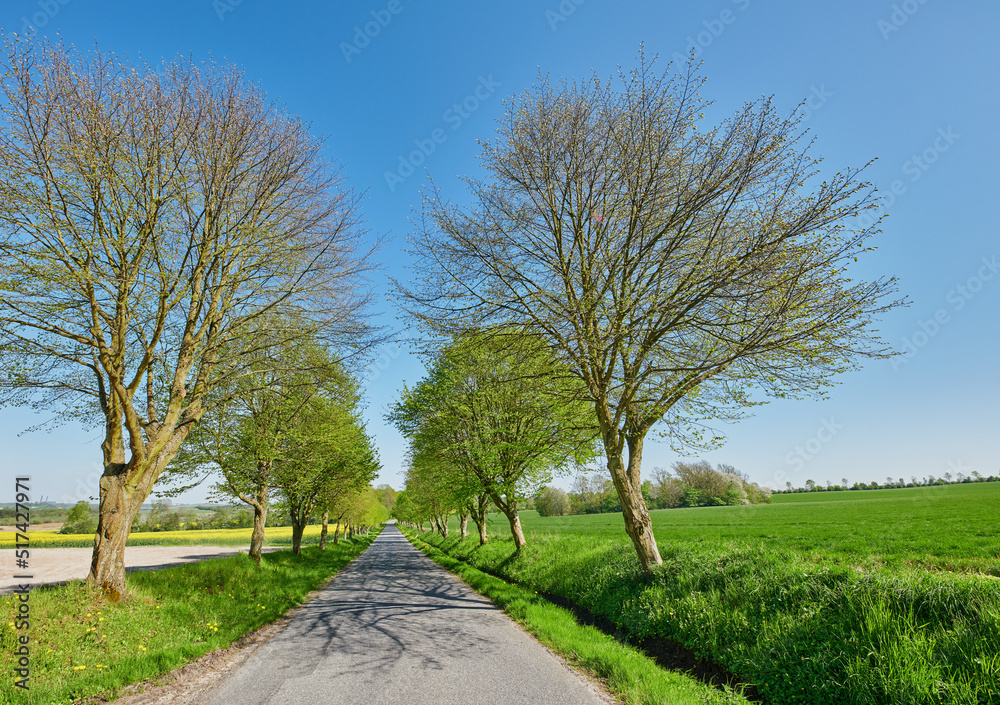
950, 527
883, 596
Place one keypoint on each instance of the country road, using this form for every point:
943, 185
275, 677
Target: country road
396, 629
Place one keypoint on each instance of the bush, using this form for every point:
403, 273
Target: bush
80, 520
700, 485
552, 502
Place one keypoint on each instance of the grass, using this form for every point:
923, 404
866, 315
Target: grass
842, 601
273, 536
949, 527
632, 676
83, 646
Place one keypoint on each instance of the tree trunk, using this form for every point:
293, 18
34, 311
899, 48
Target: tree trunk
463, 524
628, 483
118, 508
123, 488
515, 530
479, 516
336, 530
443, 526
322, 533
297, 530
509, 509
259, 519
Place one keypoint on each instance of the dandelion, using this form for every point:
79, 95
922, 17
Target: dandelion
78, 668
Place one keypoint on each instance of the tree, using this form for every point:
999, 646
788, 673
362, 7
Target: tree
250, 429
504, 414
387, 496
551, 502
80, 520
147, 220
329, 456
675, 268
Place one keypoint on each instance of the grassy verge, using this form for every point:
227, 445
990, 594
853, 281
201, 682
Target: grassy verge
82, 646
801, 632
273, 536
632, 676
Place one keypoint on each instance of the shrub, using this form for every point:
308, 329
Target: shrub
80, 520
552, 502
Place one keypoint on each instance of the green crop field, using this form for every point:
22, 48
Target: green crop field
881, 596
949, 527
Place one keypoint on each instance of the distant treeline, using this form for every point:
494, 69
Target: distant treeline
39, 515
891, 484
163, 516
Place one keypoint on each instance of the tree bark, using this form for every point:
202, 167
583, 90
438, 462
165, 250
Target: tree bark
298, 527
118, 507
479, 516
463, 524
628, 483
259, 520
322, 533
336, 531
509, 509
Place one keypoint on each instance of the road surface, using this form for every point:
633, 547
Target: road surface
394, 628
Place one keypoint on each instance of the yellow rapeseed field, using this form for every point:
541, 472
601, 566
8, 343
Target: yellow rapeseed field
281, 535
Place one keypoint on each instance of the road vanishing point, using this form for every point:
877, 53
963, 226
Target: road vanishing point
394, 628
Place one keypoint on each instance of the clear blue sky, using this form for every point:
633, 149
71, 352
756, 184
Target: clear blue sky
912, 83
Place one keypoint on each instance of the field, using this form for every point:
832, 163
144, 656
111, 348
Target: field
883, 596
273, 536
949, 527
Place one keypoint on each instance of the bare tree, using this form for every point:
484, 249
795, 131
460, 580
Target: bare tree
676, 268
147, 220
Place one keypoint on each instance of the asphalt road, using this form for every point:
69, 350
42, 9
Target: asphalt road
395, 628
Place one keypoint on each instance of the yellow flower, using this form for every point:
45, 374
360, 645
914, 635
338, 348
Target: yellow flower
78, 668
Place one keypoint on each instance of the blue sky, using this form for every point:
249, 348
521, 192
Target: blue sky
913, 84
